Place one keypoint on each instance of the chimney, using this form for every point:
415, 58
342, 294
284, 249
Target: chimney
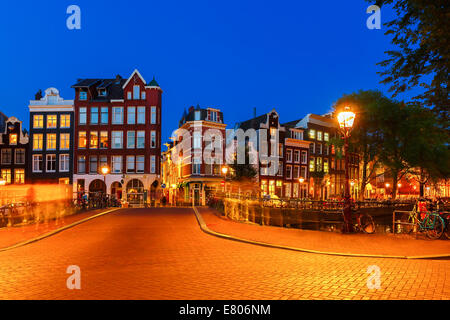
254, 112
191, 108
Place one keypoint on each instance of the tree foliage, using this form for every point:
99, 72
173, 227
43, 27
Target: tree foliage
405, 139
420, 33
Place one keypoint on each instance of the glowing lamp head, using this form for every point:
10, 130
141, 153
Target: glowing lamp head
399, 185
174, 186
105, 170
352, 183
224, 170
2, 182
301, 180
387, 185
346, 118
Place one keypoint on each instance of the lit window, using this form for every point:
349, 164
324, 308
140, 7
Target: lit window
93, 144
326, 136
312, 134
51, 121
38, 121
82, 139
103, 139
319, 135
38, 141
64, 141
51, 141
6, 175
65, 121
13, 139
312, 166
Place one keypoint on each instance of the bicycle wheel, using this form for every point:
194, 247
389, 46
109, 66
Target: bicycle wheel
435, 227
367, 224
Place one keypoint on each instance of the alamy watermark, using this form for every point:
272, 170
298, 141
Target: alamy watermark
74, 280
374, 20
73, 22
374, 280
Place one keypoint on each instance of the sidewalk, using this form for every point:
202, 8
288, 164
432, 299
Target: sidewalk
375, 244
12, 235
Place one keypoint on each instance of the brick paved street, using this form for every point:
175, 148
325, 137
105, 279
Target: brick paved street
162, 254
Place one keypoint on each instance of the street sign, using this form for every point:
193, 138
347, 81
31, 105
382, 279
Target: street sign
163, 186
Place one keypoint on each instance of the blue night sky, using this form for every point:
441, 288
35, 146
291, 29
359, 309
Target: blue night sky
296, 56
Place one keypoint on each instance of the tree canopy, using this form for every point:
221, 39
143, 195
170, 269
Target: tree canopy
420, 33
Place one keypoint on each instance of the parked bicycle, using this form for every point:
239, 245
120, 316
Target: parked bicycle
431, 223
364, 222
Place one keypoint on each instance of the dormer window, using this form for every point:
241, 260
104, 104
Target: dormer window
102, 92
143, 97
82, 95
129, 95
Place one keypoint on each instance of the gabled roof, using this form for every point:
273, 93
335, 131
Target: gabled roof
132, 75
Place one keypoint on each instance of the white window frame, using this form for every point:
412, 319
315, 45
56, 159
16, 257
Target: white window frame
64, 162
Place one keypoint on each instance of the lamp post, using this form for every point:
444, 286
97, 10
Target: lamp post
2, 183
346, 119
301, 180
225, 171
105, 171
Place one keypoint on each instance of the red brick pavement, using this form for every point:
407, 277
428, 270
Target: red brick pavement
374, 244
162, 254
16, 234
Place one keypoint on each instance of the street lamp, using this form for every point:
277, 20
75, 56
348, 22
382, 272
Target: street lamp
301, 180
346, 119
105, 171
224, 170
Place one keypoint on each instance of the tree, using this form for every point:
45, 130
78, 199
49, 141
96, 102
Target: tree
428, 153
420, 32
245, 172
318, 178
363, 139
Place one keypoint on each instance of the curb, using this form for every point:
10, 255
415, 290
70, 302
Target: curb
205, 229
51, 233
